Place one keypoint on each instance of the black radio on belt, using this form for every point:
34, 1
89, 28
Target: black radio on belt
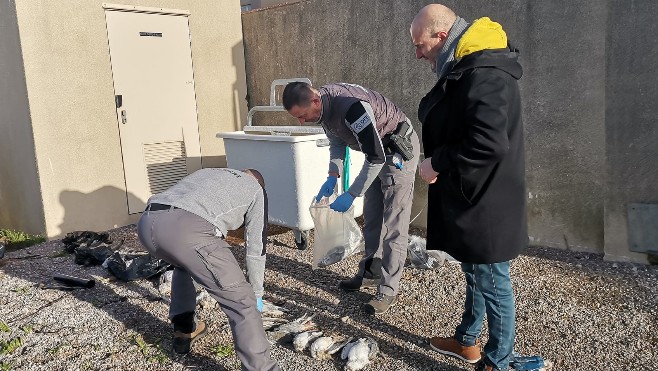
400, 141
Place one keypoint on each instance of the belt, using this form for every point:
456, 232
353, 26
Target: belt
158, 207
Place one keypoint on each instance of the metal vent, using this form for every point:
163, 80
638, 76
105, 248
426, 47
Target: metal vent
165, 164
643, 227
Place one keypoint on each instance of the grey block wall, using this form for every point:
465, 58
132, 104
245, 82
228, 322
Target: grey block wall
631, 118
564, 100
563, 48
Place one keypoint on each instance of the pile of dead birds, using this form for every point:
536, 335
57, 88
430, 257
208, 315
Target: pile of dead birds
304, 334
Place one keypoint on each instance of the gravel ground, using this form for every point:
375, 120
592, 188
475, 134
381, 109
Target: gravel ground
572, 308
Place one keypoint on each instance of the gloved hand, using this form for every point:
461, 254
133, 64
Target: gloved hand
259, 304
327, 188
342, 203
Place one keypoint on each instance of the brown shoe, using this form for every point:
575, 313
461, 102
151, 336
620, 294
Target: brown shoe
451, 347
380, 303
482, 366
183, 341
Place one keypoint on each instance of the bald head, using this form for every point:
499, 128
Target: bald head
429, 31
433, 18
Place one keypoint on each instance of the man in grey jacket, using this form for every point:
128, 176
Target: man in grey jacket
186, 226
366, 121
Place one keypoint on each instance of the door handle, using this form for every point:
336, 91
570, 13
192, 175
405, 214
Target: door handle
123, 116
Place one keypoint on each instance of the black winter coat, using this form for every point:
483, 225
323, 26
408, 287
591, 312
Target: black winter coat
473, 132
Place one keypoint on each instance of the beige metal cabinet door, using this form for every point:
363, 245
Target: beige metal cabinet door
151, 62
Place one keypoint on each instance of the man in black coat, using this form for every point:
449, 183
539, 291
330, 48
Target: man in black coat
474, 164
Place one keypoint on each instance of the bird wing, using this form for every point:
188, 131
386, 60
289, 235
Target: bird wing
346, 350
339, 345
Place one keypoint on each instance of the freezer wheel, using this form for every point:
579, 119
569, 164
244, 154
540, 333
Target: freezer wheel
301, 239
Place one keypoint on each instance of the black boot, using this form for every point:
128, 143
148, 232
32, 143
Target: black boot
357, 282
186, 332
371, 277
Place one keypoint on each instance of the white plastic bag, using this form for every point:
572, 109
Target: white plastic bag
337, 235
420, 257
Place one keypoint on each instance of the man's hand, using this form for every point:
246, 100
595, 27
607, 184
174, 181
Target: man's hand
327, 188
342, 203
427, 172
259, 304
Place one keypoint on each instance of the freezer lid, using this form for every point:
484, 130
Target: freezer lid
320, 139
284, 130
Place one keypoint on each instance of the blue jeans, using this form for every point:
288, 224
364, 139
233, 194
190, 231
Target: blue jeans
489, 290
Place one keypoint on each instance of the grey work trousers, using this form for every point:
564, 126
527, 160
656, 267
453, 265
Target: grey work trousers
189, 243
386, 215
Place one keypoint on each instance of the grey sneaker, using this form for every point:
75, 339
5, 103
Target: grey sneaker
380, 303
357, 282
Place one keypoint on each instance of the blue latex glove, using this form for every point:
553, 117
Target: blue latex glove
327, 188
398, 161
342, 203
259, 304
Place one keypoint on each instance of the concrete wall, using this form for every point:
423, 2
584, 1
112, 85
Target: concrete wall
563, 53
631, 118
69, 84
564, 100
20, 196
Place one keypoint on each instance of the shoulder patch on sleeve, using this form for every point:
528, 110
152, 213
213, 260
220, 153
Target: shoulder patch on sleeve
361, 123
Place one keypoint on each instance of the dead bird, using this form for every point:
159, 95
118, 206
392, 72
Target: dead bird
271, 322
359, 353
204, 300
301, 324
272, 310
326, 346
301, 341
286, 331
333, 256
